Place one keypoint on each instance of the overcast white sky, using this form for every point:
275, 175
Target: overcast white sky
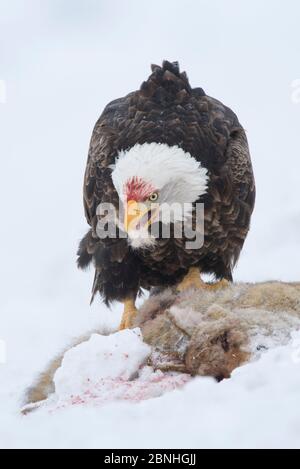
63, 60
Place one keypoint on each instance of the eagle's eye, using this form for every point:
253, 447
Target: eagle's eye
153, 197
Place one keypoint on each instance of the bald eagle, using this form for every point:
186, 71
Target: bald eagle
166, 144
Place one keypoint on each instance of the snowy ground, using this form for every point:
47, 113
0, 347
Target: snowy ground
61, 63
257, 407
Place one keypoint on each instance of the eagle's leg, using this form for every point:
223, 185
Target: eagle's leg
191, 280
194, 280
129, 314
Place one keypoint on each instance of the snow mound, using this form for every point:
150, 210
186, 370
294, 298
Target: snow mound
109, 368
116, 356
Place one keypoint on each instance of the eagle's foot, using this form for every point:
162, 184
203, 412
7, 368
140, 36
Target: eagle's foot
191, 280
129, 314
194, 280
218, 285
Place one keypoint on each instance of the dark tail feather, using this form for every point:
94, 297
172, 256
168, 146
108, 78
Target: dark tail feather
116, 268
95, 287
85, 251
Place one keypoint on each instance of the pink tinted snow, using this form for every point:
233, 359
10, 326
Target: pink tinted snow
106, 369
149, 384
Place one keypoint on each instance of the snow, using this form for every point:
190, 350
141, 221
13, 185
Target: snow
258, 407
60, 70
105, 369
118, 355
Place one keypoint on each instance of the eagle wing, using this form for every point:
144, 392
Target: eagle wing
238, 158
116, 267
98, 187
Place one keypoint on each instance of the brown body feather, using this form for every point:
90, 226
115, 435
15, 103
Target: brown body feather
167, 110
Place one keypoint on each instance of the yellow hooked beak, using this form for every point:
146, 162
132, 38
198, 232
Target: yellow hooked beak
134, 213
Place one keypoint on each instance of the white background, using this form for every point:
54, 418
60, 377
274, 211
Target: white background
61, 63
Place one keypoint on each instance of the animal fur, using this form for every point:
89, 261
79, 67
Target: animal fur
206, 333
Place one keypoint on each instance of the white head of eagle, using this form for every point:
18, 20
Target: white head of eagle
152, 178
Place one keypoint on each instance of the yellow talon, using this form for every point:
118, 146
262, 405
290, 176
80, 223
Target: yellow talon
129, 314
193, 280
